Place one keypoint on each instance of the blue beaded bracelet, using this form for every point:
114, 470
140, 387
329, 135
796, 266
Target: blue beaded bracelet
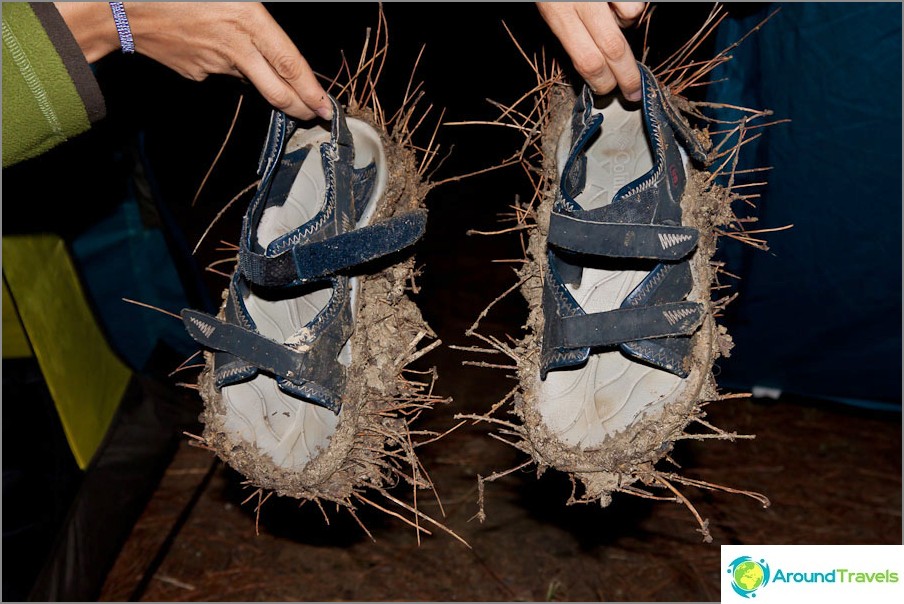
122, 27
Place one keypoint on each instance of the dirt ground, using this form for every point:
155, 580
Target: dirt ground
833, 475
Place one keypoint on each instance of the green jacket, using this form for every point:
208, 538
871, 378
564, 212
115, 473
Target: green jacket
49, 91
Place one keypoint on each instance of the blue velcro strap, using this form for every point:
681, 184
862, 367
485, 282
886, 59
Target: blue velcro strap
658, 336
272, 357
621, 240
627, 325
310, 261
665, 353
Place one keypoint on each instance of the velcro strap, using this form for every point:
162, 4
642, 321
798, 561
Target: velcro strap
262, 352
288, 366
621, 240
628, 325
309, 261
231, 369
313, 392
268, 355
668, 353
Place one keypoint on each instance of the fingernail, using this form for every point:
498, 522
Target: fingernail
325, 112
633, 96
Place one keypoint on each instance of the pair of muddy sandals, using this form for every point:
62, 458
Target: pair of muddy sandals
620, 330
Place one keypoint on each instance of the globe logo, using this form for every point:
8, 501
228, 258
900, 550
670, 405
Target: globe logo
748, 575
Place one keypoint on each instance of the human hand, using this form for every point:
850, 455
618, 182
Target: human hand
591, 35
197, 39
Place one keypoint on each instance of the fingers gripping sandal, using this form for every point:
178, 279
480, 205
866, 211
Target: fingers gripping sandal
281, 341
617, 319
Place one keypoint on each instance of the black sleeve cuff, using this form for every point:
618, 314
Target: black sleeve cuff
73, 58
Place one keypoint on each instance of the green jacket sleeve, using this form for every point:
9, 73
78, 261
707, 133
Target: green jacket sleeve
49, 91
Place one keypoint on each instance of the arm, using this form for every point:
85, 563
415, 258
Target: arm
197, 39
49, 92
591, 35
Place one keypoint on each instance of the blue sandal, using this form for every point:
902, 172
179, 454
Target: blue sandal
281, 342
620, 307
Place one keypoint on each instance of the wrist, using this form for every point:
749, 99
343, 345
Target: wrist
92, 26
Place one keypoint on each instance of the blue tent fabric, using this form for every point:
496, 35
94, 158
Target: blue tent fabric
123, 256
819, 314
120, 258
